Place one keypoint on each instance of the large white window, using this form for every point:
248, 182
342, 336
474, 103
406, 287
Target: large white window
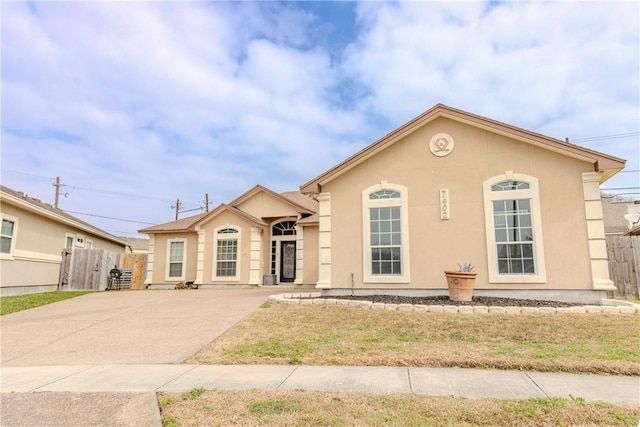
7, 236
227, 253
176, 250
514, 237
385, 232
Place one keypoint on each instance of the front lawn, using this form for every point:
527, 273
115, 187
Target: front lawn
330, 335
16, 303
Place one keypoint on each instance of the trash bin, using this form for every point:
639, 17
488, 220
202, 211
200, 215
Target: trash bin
268, 280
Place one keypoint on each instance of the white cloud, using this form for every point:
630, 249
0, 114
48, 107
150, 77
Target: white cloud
170, 99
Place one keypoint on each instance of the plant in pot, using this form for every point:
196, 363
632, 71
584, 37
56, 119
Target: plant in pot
461, 282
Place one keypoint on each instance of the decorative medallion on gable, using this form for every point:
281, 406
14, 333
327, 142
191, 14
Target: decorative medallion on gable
441, 144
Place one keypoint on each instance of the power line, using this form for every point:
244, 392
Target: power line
599, 138
95, 190
108, 217
115, 193
27, 174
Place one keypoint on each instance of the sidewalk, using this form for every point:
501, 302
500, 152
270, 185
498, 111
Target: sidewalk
27, 390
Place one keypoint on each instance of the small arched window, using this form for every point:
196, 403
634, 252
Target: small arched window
510, 185
284, 228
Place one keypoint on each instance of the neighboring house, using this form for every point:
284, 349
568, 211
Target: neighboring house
447, 187
137, 245
620, 217
261, 233
34, 234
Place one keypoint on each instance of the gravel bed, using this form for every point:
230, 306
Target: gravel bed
444, 300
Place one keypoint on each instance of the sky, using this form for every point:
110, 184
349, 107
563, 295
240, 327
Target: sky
137, 104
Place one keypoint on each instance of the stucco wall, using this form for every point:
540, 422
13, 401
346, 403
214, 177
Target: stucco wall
436, 244
310, 255
160, 257
263, 205
227, 219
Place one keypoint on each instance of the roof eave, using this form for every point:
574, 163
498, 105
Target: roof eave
604, 163
23, 204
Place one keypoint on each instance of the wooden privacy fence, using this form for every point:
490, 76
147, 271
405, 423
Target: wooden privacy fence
88, 269
624, 265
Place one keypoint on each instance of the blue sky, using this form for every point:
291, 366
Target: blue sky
136, 104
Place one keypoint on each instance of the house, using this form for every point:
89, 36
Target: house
447, 187
137, 245
260, 237
33, 236
620, 217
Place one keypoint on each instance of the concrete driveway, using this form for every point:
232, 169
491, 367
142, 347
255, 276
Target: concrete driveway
127, 327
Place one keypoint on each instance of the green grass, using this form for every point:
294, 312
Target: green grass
192, 394
17, 303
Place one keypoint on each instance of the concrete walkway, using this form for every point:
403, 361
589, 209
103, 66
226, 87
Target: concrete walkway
470, 383
98, 395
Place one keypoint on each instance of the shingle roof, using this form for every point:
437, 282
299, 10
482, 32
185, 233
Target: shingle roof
301, 199
59, 215
182, 224
304, 204
613, 215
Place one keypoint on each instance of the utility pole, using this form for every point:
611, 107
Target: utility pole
57, 185
177, 206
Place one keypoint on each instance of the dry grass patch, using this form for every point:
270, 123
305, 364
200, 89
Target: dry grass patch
326, 335
302, 408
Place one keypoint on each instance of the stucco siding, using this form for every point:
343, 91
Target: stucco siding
263, 205
437, 244
227, 219
160, 257
310, 255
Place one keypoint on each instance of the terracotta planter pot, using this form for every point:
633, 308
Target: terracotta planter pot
460, 284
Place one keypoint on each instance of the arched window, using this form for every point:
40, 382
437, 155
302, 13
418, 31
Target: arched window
284, 228
227, 253
514, 237
385, 232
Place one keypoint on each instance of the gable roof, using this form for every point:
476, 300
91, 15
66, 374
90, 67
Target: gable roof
604, 163
302, 203
36, 206
288, 197
224, 207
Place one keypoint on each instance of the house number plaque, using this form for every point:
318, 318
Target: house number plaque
444, 204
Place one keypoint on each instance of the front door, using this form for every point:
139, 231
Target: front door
287, 261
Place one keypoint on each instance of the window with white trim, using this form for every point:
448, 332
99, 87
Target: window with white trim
176, 250
7, 236
70, 238
227, 253
385, 232
513, 223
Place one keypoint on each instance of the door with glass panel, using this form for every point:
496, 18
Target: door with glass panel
287, 261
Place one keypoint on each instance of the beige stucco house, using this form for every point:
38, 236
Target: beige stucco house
260, 237
447, 187
33, 236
